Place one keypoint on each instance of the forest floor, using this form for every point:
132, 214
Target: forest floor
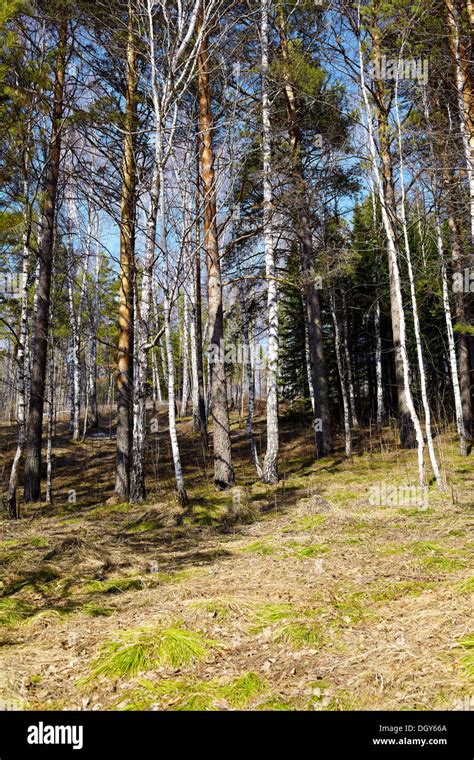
313, 599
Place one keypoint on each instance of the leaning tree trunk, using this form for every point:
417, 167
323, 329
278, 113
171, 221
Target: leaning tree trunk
383, 182
270, 462
223, 470
388, 202
414, 306
32, 475
127, 253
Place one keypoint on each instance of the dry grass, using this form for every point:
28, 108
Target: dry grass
320, 601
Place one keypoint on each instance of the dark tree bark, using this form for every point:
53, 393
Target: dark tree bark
32, 475
223, 470
127, 250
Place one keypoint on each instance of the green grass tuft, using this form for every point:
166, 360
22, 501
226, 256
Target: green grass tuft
115, 585
266, 614
95, 610
299, 634
14, 611
191, 695
143, 649
466, 585
260, 547
221, 609
467, 661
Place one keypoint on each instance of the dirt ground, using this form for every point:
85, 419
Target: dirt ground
297, 596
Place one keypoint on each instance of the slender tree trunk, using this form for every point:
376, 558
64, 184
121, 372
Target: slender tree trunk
32, 475
250, 381
49, 441
347, 355
94, 321
270, 462
383, 181
127, 253
22, 357
462, 340
302, 223
414, 306
458, 409
308, 362
200, 418
142, 318
463, 85
451, 345
380, 410
185, 343
388, 202
342, 378
223, 470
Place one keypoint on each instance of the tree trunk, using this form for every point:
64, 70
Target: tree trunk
21, 357
462, 340
223, 470
142, 318
94, 321
407, 430
302, 224
250, 382
342, 378
127, 253
200, 421
270, 462
463, 86
380, 410
185, 344
32, 475
347, 356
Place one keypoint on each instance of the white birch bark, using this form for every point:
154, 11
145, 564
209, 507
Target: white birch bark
453, 22
185, 346
380, 411
342, 379
446, 305
194, 355
393, 259
246, 360
23, 368
414, 306
450, 335
309, 373
270, 462
347, 354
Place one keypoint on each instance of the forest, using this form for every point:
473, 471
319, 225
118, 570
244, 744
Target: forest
236, 355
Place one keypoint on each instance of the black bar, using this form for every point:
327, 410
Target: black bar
124, 735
